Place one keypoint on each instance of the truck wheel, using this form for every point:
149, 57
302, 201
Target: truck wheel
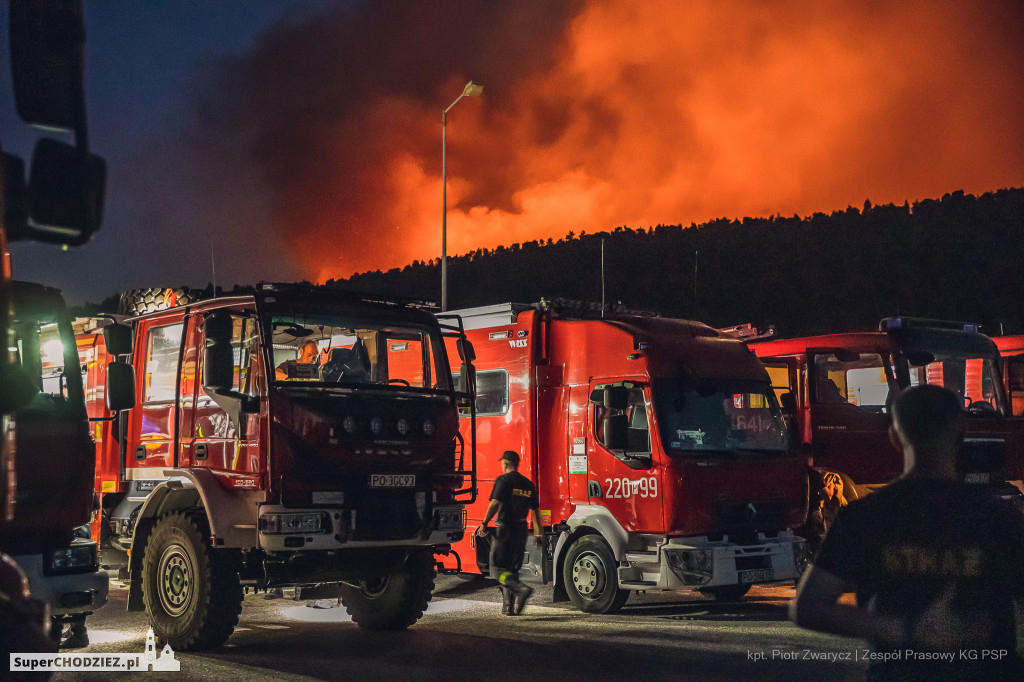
591, 578
726, 592
395, 600
192, 593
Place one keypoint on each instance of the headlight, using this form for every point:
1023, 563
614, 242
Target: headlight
403, 427
78, 558
376, 425
692, 566
295, 523
349, 424
428, 428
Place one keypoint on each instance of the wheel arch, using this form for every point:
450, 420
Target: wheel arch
231, 516
587, 520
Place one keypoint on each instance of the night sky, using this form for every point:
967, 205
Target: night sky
285, 140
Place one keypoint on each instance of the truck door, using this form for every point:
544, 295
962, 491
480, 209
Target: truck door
219, 440
152, 452
850, 394
622, 473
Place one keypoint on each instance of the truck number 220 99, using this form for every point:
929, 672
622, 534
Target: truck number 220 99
621, 488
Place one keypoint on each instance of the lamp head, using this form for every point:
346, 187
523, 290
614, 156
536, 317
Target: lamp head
472, 89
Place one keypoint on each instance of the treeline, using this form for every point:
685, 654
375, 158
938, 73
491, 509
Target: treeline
957, 258
960, 257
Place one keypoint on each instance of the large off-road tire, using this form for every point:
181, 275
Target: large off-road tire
591, 577
726, 592
142, 301
393, 601
191, 592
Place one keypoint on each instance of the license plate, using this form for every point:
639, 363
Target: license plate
976, 477
757, 575
392, 480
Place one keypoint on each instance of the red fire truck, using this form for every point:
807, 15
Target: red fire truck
657, 446
242, 463
837, 389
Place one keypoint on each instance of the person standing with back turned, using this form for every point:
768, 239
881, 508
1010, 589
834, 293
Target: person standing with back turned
514, 497
937, 564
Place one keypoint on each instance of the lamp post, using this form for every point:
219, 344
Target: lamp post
471, 90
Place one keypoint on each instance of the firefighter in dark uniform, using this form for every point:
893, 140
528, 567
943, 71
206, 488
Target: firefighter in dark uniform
513, 498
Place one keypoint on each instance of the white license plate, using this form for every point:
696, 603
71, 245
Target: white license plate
976, 477
757, 575
392, 480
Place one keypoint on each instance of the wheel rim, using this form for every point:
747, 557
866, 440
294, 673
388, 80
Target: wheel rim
589, 575
175, 573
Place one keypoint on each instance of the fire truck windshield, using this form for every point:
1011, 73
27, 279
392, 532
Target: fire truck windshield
973, 376
326, 350
718, 416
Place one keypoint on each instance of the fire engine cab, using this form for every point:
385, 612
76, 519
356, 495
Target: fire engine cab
837, 389
657, 447
295, 437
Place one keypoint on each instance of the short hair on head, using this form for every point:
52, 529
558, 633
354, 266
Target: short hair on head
927, 414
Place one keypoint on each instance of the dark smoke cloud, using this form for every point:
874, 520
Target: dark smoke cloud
318, 152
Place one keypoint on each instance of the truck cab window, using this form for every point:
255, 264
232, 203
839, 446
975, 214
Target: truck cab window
860, 380
162, 347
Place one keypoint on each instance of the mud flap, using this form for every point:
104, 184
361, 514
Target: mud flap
536, 568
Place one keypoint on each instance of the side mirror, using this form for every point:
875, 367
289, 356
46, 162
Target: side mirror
788, 403
65, 191
465, 349
118, 339
47, 45
218, 360
120, 386
467, 377
615, 432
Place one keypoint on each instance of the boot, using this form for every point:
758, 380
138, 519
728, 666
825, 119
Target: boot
523, 593
77, 635
506, 600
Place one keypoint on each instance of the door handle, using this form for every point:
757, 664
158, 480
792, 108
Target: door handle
593, 489
201, 451
140, 453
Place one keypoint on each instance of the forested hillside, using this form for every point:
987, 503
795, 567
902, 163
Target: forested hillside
957, 258
961, 257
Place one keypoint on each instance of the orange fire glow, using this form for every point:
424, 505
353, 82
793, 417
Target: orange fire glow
636, 113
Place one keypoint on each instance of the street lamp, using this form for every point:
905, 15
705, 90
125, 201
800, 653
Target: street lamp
471, 90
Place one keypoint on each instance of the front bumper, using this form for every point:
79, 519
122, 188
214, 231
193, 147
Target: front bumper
698, 563
67, 593
287, 529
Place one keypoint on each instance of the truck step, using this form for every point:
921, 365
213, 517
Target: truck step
638, 583
642, 557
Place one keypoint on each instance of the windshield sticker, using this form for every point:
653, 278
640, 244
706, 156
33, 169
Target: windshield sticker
696, 436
